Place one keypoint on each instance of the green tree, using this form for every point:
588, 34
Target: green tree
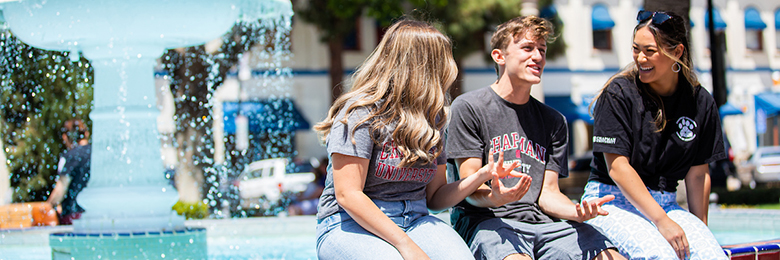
335, 19
40, 90
195, 74
466, 22
469, 23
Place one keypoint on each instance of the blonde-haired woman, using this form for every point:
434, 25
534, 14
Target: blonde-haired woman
387, 168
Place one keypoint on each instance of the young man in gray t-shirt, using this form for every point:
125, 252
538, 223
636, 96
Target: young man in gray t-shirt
501, 220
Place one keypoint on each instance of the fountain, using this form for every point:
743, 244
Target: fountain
128, 201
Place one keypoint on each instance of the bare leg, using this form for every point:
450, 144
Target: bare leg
609, 254
517, 257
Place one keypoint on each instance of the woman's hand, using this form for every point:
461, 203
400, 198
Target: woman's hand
410, 250
501, 194
590, 209
499, 168
675, 235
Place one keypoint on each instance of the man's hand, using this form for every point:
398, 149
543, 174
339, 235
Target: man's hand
591, 209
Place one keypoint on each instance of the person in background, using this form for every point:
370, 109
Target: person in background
655, 125
73, 171
507, 219
387, 169
306, 202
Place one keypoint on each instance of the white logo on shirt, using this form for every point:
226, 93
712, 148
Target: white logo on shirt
604, 139
686, 126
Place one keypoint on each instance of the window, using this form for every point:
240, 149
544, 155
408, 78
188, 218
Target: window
777, 28
754, 40
720, 26
380, 31
754, 28
602, 39
352, 39
602, 27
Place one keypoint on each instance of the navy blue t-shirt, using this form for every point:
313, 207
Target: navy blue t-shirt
77, 167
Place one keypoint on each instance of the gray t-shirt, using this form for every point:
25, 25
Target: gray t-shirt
385, 180
534, 134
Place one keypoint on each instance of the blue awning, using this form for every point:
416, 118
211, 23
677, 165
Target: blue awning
269, 115
719, 23
548, 12
729, 109
753, 20
569, 110
768, 102
601, 19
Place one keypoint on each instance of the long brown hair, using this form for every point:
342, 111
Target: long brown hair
403, 84
668, 34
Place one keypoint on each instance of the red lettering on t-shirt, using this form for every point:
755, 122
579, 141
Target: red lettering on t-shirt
515, 140
540, 153
506, 143
495, 144
529, 149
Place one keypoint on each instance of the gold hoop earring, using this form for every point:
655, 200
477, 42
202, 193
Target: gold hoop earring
679, 67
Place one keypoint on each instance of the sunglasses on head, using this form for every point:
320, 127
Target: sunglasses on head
658, 17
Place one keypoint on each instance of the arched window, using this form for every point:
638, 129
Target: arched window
720, 26
777, 28
602, 27
719, 23
754, 28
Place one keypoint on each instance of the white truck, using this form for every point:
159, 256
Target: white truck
262, 182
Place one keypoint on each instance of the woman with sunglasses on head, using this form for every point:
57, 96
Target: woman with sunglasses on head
655, 125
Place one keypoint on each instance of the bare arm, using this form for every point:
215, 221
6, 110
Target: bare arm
349, 177
627, 179
498, 194
697, 185
60, 188
442, 195
556, 204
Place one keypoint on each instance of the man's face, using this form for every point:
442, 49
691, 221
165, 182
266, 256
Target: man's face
66, 141
524, 59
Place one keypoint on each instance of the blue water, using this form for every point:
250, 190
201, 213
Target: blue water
288, 247
294, 237
737, 226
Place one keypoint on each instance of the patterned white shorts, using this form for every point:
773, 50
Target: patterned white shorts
637, 237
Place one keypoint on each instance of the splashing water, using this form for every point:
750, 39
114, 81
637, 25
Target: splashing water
46, 87
112, 60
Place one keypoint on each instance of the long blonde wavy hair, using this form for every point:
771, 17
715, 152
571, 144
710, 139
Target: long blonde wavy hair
403, 83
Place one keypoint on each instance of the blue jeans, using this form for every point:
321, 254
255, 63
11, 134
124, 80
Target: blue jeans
637, 237
340, 237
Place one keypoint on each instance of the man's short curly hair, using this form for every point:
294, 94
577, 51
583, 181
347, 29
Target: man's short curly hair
540, 28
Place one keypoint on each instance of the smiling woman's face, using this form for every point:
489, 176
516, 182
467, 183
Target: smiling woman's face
652, 64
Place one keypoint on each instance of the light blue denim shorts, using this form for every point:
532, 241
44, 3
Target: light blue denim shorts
340, 237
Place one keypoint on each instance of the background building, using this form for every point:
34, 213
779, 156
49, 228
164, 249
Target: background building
598, 37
